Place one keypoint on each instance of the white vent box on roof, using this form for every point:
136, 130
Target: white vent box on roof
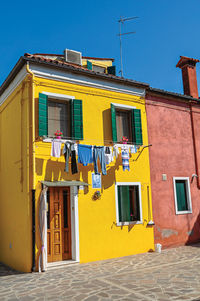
72, 56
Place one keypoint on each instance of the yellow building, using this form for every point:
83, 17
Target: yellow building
83, 98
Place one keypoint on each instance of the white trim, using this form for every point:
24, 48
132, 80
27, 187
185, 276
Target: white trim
126, 145
74, 227
117, 105
58, 96
14, 84
116, 203
74, 223
84, 80
189, 201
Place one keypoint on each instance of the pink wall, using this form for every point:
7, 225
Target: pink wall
172, 153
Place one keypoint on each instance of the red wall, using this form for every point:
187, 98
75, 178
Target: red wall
172, 153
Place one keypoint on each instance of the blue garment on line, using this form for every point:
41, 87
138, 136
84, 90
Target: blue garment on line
99, 152
85, 154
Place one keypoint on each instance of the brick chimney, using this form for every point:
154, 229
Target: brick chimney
188, 67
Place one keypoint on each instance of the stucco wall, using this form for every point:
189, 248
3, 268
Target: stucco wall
99, 236
172, 153
15, 199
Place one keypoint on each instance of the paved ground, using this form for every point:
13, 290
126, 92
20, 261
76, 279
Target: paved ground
172, 275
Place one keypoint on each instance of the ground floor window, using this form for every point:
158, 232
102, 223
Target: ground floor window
128, 203
182, 195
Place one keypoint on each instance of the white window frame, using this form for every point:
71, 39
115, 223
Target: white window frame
188, 195
57, 96
122, 106
127, 108
116, 203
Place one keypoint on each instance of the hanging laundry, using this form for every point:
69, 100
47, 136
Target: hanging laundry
115, 151
85, 154
74, 168
55, 148
125, 158
76, 148
107, 150
133, 149
66, 153
109, 155
69, 150
99, 153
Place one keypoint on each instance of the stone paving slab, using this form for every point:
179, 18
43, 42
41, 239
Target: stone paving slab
173, 274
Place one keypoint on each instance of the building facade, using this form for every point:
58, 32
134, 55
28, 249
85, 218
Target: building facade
173, 130
93, 108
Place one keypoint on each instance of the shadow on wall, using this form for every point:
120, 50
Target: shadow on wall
107, 127
194, 234
54, 171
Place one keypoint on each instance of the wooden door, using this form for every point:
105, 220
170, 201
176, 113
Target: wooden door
58, 224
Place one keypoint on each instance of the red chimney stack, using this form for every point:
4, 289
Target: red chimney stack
188, 67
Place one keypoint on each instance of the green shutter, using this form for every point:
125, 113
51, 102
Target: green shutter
111, 70
89, 65
181, 195
76, 119
43, 114
123, 203
114, 124
137, 127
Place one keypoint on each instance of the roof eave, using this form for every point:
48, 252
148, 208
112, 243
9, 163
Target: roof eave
89, 73
172, 94
20, 63
24, 59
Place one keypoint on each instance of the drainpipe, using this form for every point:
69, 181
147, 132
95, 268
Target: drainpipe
33, 165
194, 144
33, 231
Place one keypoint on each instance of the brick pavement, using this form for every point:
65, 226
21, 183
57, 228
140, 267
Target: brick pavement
172, 275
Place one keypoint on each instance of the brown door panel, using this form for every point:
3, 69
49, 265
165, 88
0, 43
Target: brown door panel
59, 232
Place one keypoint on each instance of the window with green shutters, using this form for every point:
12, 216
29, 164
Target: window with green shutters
76, 119
182, 195
43, 114
89, 65
128, 203
126, 122
63, 115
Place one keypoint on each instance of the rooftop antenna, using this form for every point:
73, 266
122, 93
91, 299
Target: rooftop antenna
121, 21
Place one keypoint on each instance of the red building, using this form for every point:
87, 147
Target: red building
174, 132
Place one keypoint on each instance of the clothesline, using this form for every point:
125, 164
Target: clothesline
90, 154
86, 141
142, 147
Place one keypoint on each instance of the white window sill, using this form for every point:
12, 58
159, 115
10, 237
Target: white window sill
49, 140
184, 212
123, 144
129, 223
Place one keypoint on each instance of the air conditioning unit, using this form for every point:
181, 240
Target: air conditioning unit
72, 56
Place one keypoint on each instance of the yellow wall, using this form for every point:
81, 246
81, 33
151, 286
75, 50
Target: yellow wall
99, 236
15, 198
101, 63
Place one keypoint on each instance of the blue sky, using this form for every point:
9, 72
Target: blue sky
165, 30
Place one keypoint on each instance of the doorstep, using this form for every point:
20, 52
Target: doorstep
60, 264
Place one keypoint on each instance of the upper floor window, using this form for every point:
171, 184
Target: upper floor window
123, 122
182, 195
126, 121
64, 115
99, 69
59, 117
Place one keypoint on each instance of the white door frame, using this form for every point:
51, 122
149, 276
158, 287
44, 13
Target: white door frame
74, 225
